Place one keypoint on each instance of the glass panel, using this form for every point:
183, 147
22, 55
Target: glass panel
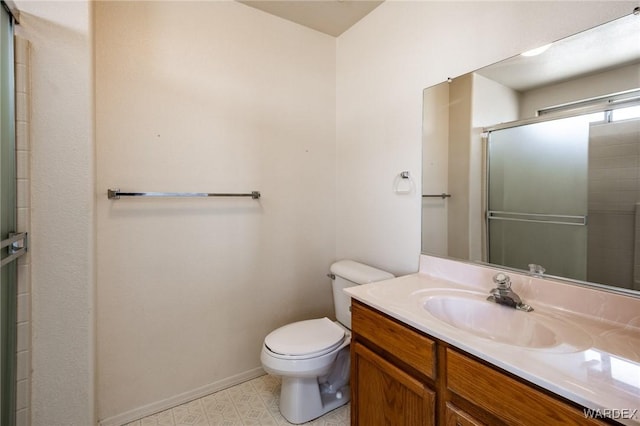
8, 290
539, 169
560, 249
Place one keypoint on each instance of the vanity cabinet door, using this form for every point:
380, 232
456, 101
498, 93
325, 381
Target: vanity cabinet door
456, 417
383, 394
510, 400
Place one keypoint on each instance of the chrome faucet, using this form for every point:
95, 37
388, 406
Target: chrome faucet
503, 294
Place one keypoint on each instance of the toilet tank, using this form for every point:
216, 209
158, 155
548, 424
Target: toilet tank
349, 273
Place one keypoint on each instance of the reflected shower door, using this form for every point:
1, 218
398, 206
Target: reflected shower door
537, 196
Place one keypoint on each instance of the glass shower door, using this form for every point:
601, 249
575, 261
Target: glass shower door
537, 196
8, 270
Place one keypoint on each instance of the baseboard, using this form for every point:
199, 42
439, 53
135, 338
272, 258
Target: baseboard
174, 401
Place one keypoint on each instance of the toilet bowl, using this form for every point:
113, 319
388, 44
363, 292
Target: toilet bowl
312, 356
308, 389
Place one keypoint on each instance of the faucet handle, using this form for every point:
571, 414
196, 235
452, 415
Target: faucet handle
502, 281
536, 269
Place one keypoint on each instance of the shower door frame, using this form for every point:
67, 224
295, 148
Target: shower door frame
12, 246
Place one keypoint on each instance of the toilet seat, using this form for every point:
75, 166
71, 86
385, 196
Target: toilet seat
305, 339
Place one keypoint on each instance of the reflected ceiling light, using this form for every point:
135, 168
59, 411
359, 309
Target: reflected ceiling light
536, 51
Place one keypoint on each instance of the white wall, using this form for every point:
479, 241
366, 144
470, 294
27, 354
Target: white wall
592, 86
62, 233
383, 64
207, 97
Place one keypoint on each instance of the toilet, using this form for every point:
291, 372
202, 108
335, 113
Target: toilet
312, 356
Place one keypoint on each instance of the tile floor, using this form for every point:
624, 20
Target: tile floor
251, 403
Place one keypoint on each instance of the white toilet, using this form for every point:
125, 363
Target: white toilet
312, 356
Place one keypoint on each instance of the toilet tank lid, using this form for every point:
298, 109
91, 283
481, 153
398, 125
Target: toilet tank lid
359, 273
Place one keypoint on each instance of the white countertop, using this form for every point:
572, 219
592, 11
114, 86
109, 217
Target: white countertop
600, 369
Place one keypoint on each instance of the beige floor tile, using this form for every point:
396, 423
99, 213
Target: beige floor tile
190, 414
251, 403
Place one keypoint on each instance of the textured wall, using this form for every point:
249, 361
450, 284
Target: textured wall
207, 97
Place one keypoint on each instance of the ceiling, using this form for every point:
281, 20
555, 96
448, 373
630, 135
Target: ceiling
331, 17
605, 47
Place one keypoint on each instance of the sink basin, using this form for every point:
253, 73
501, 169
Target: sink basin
472, 313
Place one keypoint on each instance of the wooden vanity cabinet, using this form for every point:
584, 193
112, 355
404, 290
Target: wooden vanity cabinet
401, 376
392, 370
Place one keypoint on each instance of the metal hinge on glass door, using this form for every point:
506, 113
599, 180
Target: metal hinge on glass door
17, 244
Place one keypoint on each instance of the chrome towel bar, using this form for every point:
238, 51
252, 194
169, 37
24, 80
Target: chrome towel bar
115, 194
443, 196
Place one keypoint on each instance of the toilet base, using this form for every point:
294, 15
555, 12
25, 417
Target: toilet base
304, 398
302, 401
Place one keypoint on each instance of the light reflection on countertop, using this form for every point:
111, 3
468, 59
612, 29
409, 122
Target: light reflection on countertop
600, 371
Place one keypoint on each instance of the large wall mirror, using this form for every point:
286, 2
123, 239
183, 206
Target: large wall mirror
533, 163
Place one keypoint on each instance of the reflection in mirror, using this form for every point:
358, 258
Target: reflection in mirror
535, 160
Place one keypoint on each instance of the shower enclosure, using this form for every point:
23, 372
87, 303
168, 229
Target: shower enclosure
564, 194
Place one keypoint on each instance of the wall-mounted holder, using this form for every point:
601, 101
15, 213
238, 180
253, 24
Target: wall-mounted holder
403, 183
